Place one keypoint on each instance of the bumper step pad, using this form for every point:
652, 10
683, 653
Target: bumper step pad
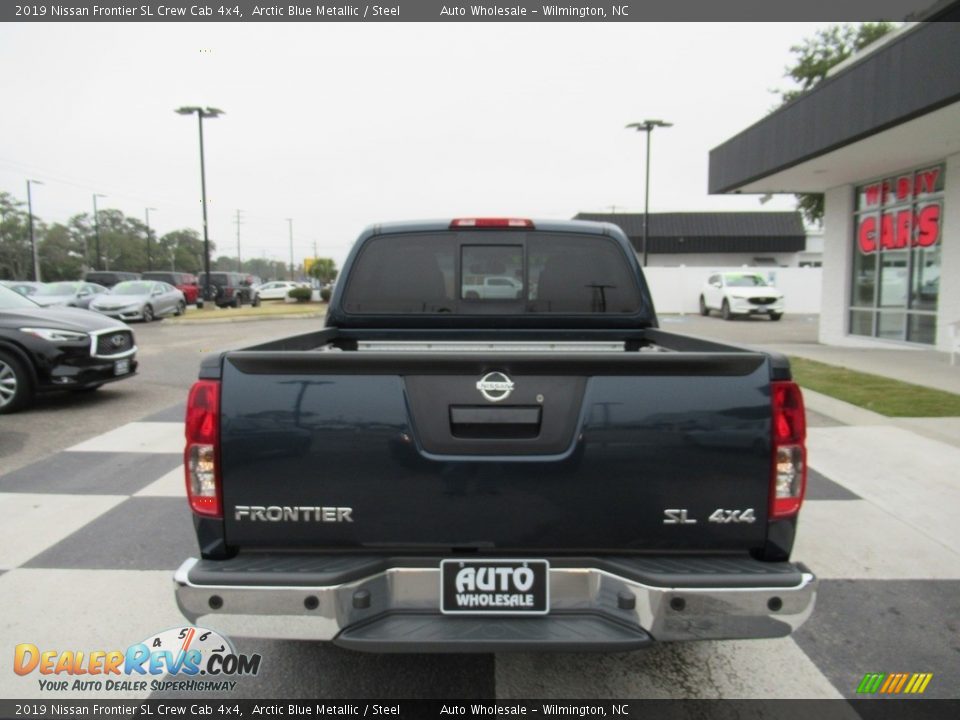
438, 633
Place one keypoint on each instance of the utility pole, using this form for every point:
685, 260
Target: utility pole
33, 244
290, 225
647, 126
201, 114
96, 226
149, 256
239, 259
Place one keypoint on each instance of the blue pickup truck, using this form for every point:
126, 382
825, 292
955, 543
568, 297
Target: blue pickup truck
540, 468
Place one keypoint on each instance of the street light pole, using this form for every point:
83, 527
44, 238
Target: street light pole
96, 228
290, 224
201, 114
33, 244
149, 256
647, 126
239, 258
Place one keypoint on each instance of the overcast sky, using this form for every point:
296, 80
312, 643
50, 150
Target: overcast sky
341, 125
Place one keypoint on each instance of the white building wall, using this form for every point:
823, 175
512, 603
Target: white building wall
717, 260
677, 289
949, 302
837, 262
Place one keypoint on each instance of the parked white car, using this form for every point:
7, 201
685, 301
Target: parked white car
495, 287
276, 290
740, 293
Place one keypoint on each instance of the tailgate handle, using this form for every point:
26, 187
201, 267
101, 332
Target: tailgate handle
482, 421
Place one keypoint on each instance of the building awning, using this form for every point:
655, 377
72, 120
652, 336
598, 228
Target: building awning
711, 232
895, 108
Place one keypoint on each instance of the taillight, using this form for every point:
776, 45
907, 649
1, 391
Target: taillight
491, 223
201, 457
789, 475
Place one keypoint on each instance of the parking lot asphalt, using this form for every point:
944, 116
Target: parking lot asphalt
95, 522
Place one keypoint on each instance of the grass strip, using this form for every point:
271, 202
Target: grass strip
213, 313
892, 398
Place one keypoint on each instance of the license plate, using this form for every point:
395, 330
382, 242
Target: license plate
121, 367
494, 587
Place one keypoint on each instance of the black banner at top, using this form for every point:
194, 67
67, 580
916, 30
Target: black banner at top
173, 11
454, 709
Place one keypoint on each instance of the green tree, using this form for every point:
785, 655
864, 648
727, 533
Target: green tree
61, 254
16, 258
814, 58
324, 270
181, 250
123, 240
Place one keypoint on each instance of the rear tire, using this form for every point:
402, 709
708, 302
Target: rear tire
727, 315
776, 316
148, 313
704, 310
16, 385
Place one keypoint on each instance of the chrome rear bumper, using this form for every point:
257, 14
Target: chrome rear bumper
329, 612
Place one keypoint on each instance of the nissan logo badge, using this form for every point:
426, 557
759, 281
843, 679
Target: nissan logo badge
495, 386
118, 341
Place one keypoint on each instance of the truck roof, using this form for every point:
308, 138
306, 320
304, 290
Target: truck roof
435, 225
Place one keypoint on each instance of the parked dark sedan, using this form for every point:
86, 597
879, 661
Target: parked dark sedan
43, 349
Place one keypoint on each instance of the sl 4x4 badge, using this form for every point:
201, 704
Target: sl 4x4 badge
681, 516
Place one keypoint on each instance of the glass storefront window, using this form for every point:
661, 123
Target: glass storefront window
896, 263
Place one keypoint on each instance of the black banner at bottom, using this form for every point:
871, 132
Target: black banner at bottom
878, 709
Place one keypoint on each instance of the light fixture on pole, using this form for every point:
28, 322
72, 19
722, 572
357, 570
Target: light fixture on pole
96, 229
647, 126
33, 244
149, 256
201, 114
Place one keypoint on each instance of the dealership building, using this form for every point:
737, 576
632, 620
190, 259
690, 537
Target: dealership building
721, 239
880, 138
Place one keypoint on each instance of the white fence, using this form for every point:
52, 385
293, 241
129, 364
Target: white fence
677, 289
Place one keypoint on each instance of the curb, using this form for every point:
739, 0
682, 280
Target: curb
848, 414
842, 411
254, 318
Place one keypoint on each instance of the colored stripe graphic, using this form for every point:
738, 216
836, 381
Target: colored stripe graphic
894, 683
870, 683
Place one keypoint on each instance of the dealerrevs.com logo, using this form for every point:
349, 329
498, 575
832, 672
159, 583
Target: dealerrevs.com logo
180, 659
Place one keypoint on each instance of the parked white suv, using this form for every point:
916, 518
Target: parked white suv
740, 293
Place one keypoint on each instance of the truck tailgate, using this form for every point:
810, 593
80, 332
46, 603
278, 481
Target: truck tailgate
403, 452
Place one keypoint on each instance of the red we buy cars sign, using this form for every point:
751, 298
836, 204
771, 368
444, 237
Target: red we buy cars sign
914, 223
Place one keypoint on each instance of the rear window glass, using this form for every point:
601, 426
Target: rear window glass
491, 273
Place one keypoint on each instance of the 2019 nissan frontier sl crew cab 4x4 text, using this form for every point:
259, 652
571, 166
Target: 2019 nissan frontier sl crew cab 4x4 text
440, 470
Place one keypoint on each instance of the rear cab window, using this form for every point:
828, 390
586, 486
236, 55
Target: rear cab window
490, 273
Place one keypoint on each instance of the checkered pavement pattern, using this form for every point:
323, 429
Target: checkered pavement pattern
90, 536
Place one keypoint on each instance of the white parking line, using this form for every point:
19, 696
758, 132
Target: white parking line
855, 539
170, 485
84, 610
911, 477
34, 522
144, 437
